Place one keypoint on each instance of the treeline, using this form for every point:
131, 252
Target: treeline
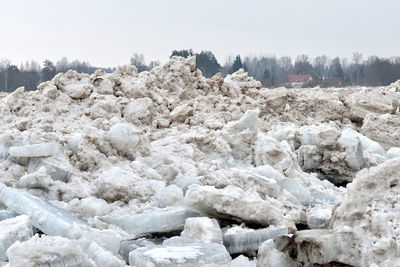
272, 71
31, 74
325, 71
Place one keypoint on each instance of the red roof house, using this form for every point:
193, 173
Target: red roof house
298, 80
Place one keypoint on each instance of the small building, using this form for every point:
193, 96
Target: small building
298, 80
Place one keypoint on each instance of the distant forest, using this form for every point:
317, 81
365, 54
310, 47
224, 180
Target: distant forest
270, 70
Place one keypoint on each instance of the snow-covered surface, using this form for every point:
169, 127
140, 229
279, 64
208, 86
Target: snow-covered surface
111, 163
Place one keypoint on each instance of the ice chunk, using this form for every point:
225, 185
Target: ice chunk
319, 217
327, 137
189, 254
7, 214
121, 184
351, 143
184, 182
250, 241
271, 257
58, 167
324, 246
39, 179
12, 230
242, 261
248, 121
169, 196
34, 151
48, 251
103, 257
202, 229
74, 142
94, 206
393, 152
75, 85
158, 221
266, 243
366, 143
268, 171
181, 113
294, 187
233, 202
373, 159
124, 137
138, 109
308, 139
310, 157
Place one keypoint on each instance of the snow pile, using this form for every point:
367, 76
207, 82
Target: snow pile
109, 165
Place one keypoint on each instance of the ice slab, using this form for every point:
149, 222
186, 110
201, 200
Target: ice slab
12, 230
34, 151
189, 254
234, 203
250, 241
177, 240
103, 257
54, 221
48, 251
158, 221
44, 216
127, 246
202, 229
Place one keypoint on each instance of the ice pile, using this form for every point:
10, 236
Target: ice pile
159, 168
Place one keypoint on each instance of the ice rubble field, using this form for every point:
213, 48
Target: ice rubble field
168, 168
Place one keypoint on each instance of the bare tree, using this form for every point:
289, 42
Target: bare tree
139, 61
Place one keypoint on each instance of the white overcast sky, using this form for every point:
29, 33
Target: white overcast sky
107, 33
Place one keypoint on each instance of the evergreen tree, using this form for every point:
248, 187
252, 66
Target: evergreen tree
336, 69
182, 53
207, 63
237, 65
48, 71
